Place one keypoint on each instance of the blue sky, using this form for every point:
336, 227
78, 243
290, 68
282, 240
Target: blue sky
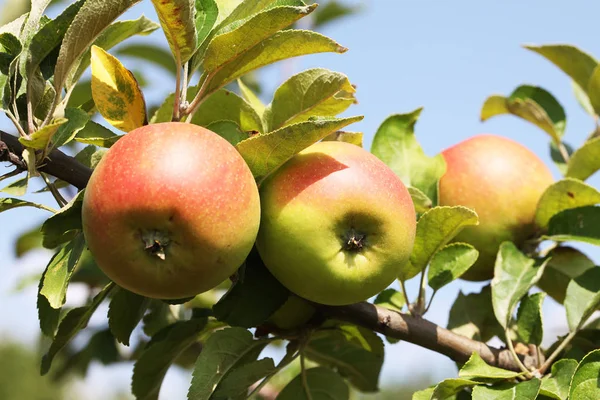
447, 57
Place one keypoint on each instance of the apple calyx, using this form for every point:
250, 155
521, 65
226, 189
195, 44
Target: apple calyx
354, 241
155, 243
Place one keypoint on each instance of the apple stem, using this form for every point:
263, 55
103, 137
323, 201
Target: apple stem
155, 243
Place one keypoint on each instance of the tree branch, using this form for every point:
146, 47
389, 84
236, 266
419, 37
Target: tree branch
424, 333
58, 163
390, 323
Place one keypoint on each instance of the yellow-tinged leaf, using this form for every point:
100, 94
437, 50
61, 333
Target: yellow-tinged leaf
177, 20
40, 139
116, 92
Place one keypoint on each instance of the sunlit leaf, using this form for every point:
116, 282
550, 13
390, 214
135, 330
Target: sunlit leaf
177, 20
562, 195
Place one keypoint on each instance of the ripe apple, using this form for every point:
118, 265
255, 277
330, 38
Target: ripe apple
502, 181
170, 211
337, 224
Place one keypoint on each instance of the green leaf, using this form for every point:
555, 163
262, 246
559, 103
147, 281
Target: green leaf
396, 145
533, 104
177, 20
93, 18
265, 153
472, 316
571, 60
424, 394
95, 134
149, 52
476, 368
558, 158
61, 227
563, 195
48, 316
125, 311
514, 275
251, 98
322, 384
582, 298
90, 156
28, 240
583, 99
420, 200
584, 384
315, 92
234, 44
391, 299
74, 321
207, 13
254, 297
593, 90
355, 138
77, 120
527, 390
332, 11
8, 203
228, 130
225, 351
31, 25
449, 263
17, 188
282, 45
435, 228
158, 317
59, 272
158, 355
450, 387
164, 113
529, 319
236, 384
226, 105
565, 264
556, 385
49, 37
40, 139
354, 352
585, 161
580, 224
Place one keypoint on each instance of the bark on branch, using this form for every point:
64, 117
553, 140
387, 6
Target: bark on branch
390, 323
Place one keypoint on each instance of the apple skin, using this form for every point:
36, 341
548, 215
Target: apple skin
502, 181
183, 186
319, 208
294, 313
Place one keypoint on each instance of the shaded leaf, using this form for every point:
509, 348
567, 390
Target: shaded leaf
581, 224
96, 134
265, 153
315, 92
207, 13
224, 352
529, 319
28, 240
76, 121
17, 188
584, 384
62, 226
593, 90
253, 298
348, 137
226, 105
556, 385
74, 321
125, 311
435, 228
322, 384
90, 156
527, 390
251, 98
450, 387
8, 203
472, 316
238, 381
449, 263
585, 161
355, 352
332, 11
582, 298
149, 52
116, 92
228, 130
533, 104
562, 195
420, 200
177, 20
514, 275
396, 145
476, 368
391, 299
158, 355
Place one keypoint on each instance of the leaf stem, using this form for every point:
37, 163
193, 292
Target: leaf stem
200, 97
557, 352
177, 96
11, 116
57, 196
563, 152
30, 126
421, 299
514, 354
430, 301
405, 296
303, 373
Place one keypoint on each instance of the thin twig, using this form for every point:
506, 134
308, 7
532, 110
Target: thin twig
57, 196
16, 123
198, 99
511, 348
30, 126
405, 295
430, 301
557, 352
420, 300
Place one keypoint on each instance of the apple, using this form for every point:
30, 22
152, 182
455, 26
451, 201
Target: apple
502, 181
293, 313
337, 224
170, 211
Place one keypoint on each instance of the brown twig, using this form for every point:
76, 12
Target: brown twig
390, 323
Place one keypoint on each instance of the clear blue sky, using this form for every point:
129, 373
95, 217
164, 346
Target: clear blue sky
445, 56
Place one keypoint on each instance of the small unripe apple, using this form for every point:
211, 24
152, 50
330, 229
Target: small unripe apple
337, 224
502, 181
293, 313
170, 211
